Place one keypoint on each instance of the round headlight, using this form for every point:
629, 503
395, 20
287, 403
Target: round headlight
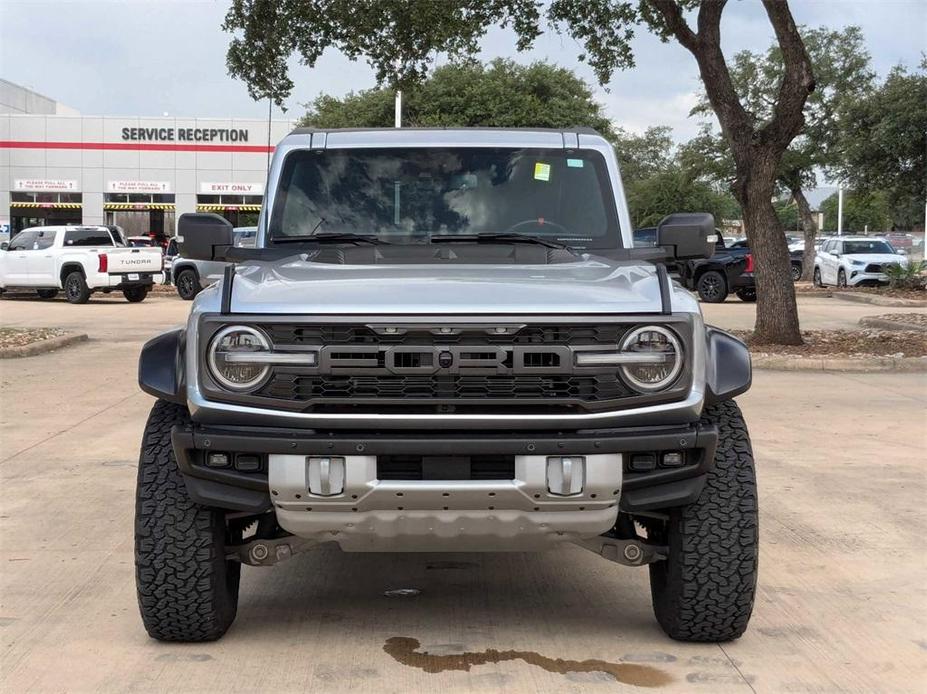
648, 377
228, 354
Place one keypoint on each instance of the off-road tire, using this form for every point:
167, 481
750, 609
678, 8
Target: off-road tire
816, 278
841, 278
135, 294
188, 284
795, 272
76, 290
712, 287
704, 590
47, 293
187, 591
747, 294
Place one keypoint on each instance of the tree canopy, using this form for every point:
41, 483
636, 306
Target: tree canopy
499, 94
884, 144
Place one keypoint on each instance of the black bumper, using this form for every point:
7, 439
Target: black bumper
745, 280
248, 491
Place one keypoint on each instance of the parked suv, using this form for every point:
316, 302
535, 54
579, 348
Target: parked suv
78, 259
191, 276
850, 261
444, 340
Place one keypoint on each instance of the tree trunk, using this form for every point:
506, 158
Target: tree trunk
810, 227
776, 310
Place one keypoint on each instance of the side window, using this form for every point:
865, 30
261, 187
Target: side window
46, 239
836, 247
87, 237
24, 241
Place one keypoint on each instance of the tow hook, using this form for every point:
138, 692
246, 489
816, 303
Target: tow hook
627, 552
269, 552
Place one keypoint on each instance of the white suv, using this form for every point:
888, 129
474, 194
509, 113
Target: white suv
850, 261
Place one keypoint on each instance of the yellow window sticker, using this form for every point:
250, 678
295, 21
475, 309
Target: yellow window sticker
542, 171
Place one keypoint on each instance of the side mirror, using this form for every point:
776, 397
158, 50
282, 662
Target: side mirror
686, 236
901, 251
203, 236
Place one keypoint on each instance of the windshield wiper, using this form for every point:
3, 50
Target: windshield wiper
345, 237
498, 237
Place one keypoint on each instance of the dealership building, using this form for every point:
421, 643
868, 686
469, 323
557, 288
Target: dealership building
60, 167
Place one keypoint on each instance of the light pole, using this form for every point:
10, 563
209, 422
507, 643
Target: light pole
398, 109
840, 210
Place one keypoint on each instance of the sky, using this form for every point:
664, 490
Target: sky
151, 57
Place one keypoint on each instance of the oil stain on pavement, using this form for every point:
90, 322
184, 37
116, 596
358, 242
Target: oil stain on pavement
405, 650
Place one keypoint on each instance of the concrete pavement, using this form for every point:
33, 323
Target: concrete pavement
841, 603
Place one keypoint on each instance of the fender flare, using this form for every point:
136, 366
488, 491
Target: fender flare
729, 370
161, 366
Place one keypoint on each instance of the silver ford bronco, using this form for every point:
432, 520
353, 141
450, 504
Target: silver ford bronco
445, 341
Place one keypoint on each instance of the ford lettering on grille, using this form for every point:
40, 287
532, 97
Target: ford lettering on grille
450, 359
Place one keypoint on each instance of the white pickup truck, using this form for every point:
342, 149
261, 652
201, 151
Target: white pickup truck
78, 259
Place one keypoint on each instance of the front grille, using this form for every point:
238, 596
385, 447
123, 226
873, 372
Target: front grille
444, 368
873, 267
288, 334
447, 467
437, 388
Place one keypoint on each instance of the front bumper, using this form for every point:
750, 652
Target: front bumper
858, 277
370, 514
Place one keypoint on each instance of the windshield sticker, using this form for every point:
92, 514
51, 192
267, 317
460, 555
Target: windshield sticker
542, 171
575, 163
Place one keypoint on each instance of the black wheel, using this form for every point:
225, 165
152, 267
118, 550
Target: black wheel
816, 279
712, 287
187, 591
47, 293
747, 294
135, 294
841, 278
704, 590
796, 272
76, 290
188, 286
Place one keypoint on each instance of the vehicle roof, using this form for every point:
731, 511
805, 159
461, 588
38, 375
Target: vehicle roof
65, 227
544, 138
856, 238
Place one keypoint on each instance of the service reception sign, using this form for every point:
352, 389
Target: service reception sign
45, 185
138, 187
232, 188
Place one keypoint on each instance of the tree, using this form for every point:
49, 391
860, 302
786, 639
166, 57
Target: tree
884, 141
862, 211
500, 94
399, 39
650, 198
643, 156
842, 77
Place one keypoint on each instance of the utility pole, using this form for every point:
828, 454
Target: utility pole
840, 210
398, 115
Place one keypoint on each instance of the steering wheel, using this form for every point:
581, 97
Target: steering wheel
537, 222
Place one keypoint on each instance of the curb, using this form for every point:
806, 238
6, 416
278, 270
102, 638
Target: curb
878, 300
884, 324
42, 346
773, 362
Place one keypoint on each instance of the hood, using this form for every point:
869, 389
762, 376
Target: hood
589, 285
883, 258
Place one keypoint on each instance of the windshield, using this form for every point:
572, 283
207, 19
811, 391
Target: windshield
407, 195
874, 246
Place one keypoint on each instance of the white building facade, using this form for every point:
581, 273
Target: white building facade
139, 173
